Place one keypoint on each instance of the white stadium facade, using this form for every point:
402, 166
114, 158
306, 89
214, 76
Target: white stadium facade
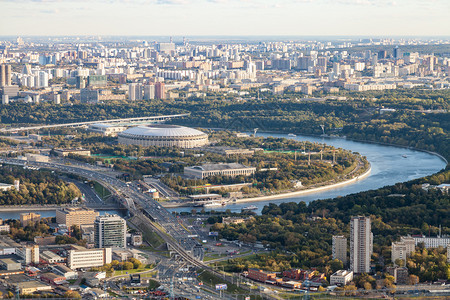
163, 135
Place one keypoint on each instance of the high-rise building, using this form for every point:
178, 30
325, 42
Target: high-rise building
43, 79
398, 251
5, 75
397, 53
361, 244
76, 216
135, 91
339, 249
382, 54
110, 231
149, 91
160, 90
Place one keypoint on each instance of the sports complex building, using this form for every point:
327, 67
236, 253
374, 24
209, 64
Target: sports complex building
164, 136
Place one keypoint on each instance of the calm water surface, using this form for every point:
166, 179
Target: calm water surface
388, 167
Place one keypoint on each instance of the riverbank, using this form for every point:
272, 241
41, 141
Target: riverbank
286, 195
350, 139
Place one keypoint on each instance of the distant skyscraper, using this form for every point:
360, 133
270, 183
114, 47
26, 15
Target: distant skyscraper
340, 248
5, 75
110, 231
382, 54
397, 53
361, 245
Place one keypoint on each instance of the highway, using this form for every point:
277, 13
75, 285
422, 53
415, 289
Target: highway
141, 206
111, 121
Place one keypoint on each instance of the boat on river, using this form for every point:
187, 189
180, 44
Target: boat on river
251, 207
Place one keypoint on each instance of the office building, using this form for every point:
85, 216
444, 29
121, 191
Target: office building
27, 218
339, 248
88, 258
76, 216
110, 231
361, 244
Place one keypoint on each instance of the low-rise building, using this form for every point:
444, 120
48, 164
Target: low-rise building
66, 152
6, 187
229, 151
106, 129
53, 278
260, 275
222, 169
341, 277
30, 287
51, 257
65, 272
10, 264
5, 228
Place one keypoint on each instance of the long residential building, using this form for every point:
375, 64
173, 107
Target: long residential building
432, 242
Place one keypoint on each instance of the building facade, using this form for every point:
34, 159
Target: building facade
88, 258
227, 169
110, 231
341, 277
361, 245
27, 218
76, 216
339, 248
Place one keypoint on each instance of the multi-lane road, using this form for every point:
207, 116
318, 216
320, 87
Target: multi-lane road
145, 209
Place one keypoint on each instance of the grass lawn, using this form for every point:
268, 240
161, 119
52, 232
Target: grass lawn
213, 256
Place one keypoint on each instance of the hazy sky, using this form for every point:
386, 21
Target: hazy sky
225, 17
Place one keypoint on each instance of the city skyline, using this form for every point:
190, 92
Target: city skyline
225, 17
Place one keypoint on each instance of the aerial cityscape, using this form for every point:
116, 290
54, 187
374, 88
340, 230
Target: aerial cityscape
222, 149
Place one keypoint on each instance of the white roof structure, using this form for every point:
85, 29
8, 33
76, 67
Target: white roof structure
160, 130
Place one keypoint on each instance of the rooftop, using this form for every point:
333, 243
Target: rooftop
215, 167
